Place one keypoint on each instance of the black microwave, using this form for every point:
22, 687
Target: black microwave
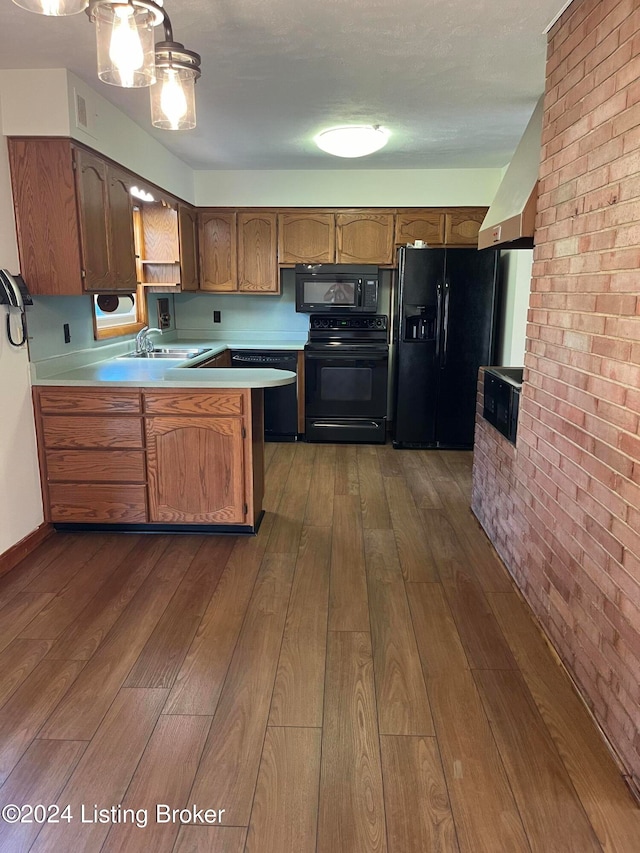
336, 288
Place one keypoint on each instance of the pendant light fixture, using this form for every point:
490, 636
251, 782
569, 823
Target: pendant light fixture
125, 41
53, 7
129, 57
173, 97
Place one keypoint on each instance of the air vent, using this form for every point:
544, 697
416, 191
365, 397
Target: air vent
82, 120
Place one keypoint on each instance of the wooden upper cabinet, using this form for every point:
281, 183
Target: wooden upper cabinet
257, 253
44, 199
93, 213
160, 244
188, 246
105, 214
427, 225
462, 225
218, 251
366, 238
306, 238
167, 242
120, 231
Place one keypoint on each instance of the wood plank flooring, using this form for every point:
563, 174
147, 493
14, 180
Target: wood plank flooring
360, 677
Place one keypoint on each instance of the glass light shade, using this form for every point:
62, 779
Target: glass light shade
125, 42
173, 99
53, 7
352, 141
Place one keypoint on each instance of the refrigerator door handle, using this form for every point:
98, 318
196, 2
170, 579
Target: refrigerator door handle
445, 324
438, 316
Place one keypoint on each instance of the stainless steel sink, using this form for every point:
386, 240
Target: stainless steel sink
176, 353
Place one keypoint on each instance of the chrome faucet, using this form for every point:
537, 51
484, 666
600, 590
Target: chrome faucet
143, 344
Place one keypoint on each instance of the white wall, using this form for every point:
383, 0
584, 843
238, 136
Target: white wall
116, 136
42, 103
516, 285
348, 188
20, 499
34, 103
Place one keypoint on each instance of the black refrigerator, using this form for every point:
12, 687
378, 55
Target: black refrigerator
445, 330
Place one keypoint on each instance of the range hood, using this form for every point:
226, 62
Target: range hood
510, 220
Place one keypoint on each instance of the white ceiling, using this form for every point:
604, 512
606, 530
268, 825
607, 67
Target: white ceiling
454, 80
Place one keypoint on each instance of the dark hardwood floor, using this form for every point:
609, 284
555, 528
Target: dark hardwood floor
360, 677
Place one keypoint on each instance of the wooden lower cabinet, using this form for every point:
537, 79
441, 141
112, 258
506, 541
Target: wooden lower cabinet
222, 359
158, 456
195, 468
104, 503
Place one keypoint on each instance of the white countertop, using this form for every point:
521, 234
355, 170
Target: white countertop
170, 373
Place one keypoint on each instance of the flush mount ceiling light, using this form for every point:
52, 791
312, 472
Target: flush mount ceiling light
129, 57
53, 7
352, 141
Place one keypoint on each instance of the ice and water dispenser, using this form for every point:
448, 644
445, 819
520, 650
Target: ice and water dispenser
419, 323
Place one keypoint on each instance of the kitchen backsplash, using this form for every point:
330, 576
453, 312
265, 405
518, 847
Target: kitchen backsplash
47, 316
191, 316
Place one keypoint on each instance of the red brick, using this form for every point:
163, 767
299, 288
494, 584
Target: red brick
619, 416
626, 374
628, 259
631, 140
622, 327
626, 120
616, 303
628, 74
630, 444
613, 62
631, 25
623, 167
564, 507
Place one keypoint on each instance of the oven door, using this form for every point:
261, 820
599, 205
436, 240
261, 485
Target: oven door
346, 382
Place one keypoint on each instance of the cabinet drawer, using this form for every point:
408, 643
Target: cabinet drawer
193, 403
84, 502
66, 400
115, 466
72, 432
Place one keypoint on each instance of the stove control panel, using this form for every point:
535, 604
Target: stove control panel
376, 322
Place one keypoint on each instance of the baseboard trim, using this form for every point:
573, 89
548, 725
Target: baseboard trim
24, 547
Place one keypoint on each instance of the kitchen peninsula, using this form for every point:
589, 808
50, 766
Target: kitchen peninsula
152, 444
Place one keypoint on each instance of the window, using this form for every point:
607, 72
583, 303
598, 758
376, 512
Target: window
116, 314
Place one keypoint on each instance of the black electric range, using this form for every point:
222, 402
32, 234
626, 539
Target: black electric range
346, 367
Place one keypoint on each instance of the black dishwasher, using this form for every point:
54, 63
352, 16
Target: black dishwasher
280, 403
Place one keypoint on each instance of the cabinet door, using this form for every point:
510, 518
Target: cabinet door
426, 225
306, 238
92, 184
364, 238
218, 251
195, 469
121, 242
44, 197
257, 253
463, 225
188, 238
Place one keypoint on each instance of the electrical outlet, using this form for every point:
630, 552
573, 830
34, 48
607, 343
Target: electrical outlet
164, 317
67, 333
216, 317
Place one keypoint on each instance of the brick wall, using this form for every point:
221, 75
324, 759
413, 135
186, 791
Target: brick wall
571, 487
